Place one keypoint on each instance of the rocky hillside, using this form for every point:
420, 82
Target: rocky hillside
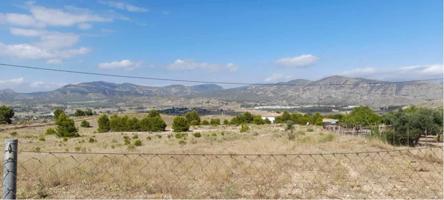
334, 90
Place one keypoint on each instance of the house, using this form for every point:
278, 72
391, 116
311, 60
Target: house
271, 119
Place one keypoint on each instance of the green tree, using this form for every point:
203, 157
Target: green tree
154, 113
205, 122
193, 118
57, 112
79, 113
66, 126
103, 123
361, 116
6, 113
408, 125
180, 124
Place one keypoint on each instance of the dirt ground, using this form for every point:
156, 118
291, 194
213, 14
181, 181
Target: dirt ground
264, 162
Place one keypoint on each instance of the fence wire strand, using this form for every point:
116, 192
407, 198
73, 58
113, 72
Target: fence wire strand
401, 173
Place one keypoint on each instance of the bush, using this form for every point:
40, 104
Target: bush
85, 124
137, 142
13, 133
65, 126
205, 122
197, 134
92, 140
258, 120
152, 123
50, 131
244, 128
103, 123
193, 118
215, 122
180, 135
226, 122
180, 124
6, 114
57, 112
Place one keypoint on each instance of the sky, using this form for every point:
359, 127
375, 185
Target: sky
262, 41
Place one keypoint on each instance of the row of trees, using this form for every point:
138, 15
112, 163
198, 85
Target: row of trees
152, 122
87, 112
298, 118
248, 118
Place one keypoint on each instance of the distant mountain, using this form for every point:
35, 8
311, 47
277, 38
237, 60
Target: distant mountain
333, 90
336, 90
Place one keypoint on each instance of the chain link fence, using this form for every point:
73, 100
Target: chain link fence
403, 173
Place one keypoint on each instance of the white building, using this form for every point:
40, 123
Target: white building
271, 119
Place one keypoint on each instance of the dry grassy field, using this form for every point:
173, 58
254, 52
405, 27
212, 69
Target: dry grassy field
222, 163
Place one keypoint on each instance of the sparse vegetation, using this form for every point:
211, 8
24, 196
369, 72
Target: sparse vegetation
50, 131
244, 128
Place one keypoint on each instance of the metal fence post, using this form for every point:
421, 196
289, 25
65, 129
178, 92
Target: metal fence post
10, 169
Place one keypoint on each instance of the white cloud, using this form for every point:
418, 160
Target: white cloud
124, 6
21, 85
122, 64
398, 74
14, 81
34, 52
41, 17
183, 64
278, 77
297, 61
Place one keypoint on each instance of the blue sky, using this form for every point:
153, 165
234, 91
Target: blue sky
219, 40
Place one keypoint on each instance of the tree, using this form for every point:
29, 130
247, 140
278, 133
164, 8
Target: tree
361, 116
6, 113
103, 123
65, 126
193, 117
408, 125
79, 113
152, 123
180, 124
57, 112
154, 113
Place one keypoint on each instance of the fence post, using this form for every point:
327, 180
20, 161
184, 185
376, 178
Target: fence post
10, 169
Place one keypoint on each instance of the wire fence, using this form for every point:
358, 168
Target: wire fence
402, 173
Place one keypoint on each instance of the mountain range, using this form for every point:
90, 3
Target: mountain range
333, 90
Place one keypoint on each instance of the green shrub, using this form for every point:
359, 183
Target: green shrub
103, 123
6, 114
205, 122
180, 124
92, 140
197, 134
182, 142
152, 123
180, 135
13, 133
137, 142
65, 126
85, 124
244, 128
42, 138
310, 130
258, 120
226, 122
215, 122
193, 118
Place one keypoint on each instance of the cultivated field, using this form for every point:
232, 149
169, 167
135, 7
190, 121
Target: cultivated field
222, 163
